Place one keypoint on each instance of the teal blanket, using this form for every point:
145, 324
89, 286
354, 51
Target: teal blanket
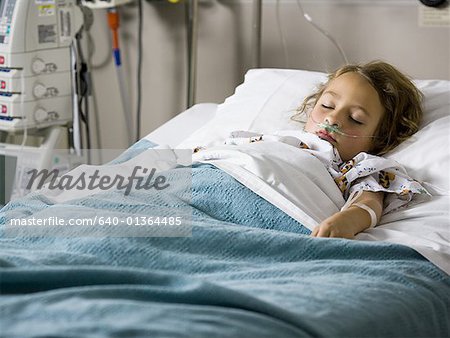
248, 270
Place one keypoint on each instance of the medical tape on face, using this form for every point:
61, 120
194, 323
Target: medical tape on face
333, 128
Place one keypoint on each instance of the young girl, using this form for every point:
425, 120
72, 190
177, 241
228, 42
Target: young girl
363, 109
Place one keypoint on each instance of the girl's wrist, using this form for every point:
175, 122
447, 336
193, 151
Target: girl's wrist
357, 219
370, 211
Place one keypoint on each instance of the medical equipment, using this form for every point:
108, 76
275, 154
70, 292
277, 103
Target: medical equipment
8, 164
337, 130
381, 286
36, 82
308, 18
114, 23
17, 160
334, 128
95, 4
35, 61
433, 3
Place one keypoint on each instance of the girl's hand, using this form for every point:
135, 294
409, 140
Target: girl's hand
329, 229
351, 221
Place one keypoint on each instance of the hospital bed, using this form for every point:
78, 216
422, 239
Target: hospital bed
249, 268
179, 128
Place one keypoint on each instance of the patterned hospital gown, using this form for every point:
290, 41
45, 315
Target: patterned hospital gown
363, 172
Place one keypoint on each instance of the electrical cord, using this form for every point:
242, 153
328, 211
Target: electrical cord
83, 86
95, 103
139, 72
308, 18
21, 192
88, 18
92, 48
282, 37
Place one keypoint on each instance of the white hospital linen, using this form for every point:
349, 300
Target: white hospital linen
295, 181
363, 172
298, 182
160, 158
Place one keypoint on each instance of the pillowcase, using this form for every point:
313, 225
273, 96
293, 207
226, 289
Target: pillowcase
264, 103
267, 99
426, 154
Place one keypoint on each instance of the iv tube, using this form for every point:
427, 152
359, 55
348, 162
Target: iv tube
113, 22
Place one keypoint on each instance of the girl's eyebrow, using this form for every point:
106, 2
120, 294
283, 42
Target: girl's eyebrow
332, 93
364, 110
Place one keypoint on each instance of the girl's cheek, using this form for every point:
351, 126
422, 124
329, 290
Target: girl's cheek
310, 126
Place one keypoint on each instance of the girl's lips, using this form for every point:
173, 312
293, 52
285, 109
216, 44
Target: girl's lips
323, 134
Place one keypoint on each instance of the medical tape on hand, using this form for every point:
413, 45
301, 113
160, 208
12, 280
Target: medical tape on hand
350, 202
373, 215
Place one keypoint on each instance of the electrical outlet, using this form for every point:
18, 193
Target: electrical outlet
171, 1
434, 17
96, 4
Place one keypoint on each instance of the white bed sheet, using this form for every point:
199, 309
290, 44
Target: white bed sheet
179, 128
281, 174
264, 103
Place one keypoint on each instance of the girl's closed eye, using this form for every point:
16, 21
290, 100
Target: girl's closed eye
355, 120
326, 106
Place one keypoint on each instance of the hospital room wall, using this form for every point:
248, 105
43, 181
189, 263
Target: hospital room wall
367, 30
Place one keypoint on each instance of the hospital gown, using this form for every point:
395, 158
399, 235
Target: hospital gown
364, 172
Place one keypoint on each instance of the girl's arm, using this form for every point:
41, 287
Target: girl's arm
353, 220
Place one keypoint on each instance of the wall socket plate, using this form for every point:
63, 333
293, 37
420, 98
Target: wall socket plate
96, 4
434, 17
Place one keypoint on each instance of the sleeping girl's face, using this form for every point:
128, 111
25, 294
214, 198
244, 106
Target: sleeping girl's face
350, 103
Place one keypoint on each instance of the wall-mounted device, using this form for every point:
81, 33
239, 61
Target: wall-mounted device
94, 4
37, 92
17, 160
36, 83
433, 3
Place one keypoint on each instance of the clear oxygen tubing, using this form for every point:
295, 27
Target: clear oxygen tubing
256, 33
324, 32
192, 42
334, 128
282, 37
113, 22
139, 72
76, 145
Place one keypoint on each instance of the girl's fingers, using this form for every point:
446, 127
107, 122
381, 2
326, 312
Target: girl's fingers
322, 231
315, 231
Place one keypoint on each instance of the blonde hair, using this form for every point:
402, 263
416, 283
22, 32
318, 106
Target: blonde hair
400, 98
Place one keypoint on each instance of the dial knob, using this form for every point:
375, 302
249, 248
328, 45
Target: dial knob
39, 90
40, 115
38, 66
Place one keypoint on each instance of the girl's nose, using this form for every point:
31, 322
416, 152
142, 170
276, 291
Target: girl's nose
333, 119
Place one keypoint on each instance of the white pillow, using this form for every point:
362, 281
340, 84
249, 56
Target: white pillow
263, 103
426, 155
267, 99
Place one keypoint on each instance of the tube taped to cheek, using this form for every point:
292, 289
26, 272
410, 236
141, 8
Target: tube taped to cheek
336, 129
